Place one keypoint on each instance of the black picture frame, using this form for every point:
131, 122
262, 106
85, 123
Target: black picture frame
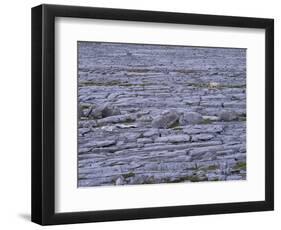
43, 114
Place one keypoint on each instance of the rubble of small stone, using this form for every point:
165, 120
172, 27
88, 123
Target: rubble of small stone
150, 114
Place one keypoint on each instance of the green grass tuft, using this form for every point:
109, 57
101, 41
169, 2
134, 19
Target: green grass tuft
240, 166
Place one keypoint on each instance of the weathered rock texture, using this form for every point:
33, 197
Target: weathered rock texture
159, 114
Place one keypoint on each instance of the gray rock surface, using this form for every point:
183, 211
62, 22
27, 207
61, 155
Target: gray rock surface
162, 114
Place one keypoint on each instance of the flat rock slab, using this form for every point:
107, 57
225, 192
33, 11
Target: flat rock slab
173, 139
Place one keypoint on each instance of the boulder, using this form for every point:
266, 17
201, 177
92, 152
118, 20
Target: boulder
190, 118
102, 111
165, 120
226, 115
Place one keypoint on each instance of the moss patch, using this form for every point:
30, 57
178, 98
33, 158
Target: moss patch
240, 166
129, 174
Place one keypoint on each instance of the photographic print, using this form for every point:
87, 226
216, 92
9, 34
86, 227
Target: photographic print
126, 103
150, 114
